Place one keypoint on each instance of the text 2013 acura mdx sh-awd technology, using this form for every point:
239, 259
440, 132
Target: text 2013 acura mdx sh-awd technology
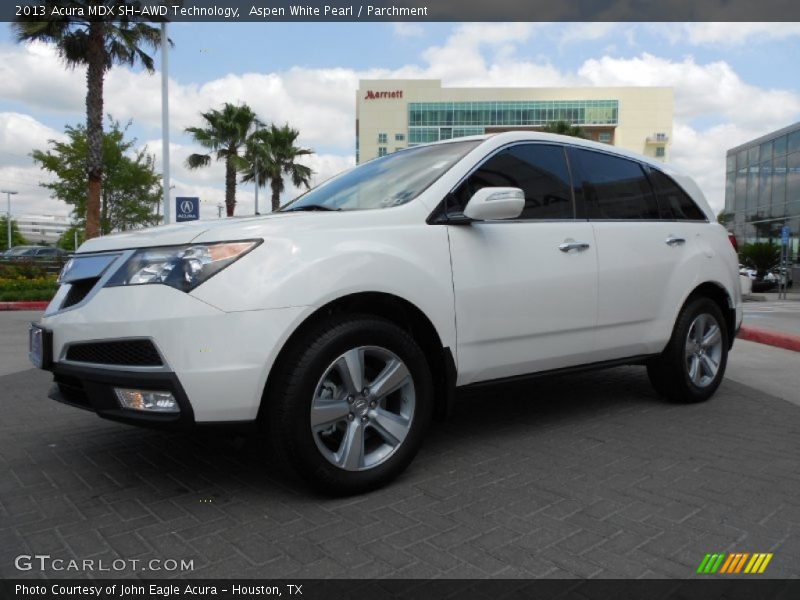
341, 324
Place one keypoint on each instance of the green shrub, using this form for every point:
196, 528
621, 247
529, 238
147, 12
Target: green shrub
24, 284
21, 270
26, 295
762, 257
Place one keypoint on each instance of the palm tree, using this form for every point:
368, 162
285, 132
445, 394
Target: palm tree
225, 134
565, 128
276, 152
98, 45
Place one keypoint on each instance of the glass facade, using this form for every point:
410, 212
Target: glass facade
434, 121
762, 188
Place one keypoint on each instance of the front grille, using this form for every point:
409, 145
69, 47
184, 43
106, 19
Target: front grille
131, 353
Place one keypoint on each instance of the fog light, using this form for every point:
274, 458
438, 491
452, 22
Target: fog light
147, 400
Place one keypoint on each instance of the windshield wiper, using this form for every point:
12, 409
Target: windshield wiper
310, 207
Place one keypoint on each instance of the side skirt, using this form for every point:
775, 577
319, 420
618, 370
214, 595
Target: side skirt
606, 364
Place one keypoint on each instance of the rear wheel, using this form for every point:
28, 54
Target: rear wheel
693, 364
350, 404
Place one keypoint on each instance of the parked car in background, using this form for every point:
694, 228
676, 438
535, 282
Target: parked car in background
780, 276
340, 325
748, 272
746, 285
16, 251
51, 252
38, 253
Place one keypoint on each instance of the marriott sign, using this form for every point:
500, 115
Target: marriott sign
373, 95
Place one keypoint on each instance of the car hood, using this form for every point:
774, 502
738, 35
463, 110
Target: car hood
193, 231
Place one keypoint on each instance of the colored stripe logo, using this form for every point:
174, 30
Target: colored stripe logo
733, 563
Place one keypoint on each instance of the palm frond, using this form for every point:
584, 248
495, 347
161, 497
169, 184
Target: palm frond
196, 161
301, 175
239, 163
204, 137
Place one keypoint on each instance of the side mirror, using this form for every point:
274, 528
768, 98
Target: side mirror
495, 203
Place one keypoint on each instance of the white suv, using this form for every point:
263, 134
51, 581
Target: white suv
342, 324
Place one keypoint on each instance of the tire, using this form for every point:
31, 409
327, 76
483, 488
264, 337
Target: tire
683, 371
319, 421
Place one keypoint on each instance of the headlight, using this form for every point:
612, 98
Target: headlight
182, 267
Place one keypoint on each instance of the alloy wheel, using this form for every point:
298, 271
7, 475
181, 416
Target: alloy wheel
363, 408
703, 350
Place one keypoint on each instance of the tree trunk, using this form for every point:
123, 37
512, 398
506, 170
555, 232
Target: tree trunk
104, 228
95, 73
230, 186
276, 183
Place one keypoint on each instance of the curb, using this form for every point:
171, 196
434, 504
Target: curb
787, 341
30, 305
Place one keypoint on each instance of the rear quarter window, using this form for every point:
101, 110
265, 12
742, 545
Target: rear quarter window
673, 202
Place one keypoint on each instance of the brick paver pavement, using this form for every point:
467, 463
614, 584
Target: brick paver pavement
582, 476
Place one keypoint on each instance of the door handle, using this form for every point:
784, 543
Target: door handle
570, 246
674, 241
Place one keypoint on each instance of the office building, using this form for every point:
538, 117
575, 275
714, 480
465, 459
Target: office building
42, 229
392, 114
762, 187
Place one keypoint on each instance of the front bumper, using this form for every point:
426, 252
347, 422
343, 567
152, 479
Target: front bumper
93, 389
214, 362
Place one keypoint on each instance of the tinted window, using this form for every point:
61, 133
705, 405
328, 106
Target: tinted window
539, 170
613, 187
792, 182
673, 202
794, 142
779, 146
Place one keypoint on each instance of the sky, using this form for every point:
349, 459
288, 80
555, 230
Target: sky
732, 82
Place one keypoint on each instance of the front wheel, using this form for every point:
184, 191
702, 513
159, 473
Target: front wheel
692, 366
350, 404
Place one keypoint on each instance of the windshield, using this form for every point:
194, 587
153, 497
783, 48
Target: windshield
391, 180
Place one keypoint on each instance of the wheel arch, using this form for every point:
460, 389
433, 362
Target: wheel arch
717, 293
397, 310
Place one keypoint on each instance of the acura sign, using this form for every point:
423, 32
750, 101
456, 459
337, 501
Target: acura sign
187, 209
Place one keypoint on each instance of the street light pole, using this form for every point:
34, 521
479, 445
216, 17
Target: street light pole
255, 169
255, 162
8, 193
165, 118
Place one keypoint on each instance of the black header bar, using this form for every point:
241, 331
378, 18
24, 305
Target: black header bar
232, 11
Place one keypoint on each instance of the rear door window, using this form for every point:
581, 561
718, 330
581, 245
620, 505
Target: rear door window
612, 187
